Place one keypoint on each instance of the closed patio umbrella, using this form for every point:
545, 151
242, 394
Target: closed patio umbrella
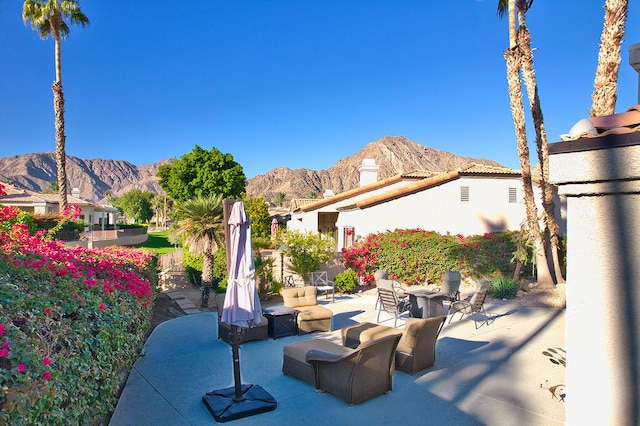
241, 310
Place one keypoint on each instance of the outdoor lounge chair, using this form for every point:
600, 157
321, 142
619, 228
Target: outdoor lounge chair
311, 316
289, 281
321, 282
474, 304
381, 274
253, 333
353, 375
416, 349
390, 301
450, 286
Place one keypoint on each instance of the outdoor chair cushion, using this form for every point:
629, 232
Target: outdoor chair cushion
353, 375
416, 349
311, 316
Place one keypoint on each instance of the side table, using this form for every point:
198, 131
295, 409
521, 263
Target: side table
283, 321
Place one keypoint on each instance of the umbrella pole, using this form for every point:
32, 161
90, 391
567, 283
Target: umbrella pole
235, 350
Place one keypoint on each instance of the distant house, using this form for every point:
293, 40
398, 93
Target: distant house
474, 199
39, 203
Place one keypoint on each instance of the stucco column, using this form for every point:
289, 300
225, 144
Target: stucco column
600, 178
634, 61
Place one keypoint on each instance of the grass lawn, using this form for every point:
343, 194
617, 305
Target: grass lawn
159, 242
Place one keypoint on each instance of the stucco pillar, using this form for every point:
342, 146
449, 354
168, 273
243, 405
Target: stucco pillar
634, 61
600, 178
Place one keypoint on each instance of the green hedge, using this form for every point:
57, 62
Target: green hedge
72, 323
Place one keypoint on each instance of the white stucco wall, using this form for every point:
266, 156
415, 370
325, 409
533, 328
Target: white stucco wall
440, 209
602, 187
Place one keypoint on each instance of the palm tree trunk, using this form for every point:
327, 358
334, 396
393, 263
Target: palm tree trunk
605, 93
512, 58
548, 205
207, 269
58, 108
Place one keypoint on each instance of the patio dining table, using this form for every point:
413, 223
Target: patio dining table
425, 303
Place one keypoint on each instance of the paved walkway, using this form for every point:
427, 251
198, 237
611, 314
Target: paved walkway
507, 372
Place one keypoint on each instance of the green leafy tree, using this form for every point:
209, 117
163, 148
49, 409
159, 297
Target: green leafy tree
258, 211
48, 19
307, 250
202, 173
201, 222
136, 205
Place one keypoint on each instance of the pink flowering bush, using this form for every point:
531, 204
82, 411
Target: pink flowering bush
72, 323
416, 256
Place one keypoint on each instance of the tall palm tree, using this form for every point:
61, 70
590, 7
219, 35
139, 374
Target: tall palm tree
201, 221
605, 93
551, 239
514, 57
48, 19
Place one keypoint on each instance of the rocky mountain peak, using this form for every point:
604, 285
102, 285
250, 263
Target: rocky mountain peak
393, 154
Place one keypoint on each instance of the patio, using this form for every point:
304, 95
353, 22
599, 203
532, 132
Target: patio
503, 373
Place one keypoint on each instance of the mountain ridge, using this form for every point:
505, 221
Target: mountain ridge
393, 154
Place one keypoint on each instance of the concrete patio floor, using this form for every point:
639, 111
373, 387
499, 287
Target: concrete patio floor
507, 372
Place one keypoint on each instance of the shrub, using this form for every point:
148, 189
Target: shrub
72, 323
416, 256
307, 250
504, 288
346, 281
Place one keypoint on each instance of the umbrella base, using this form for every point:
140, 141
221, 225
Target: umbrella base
222, 405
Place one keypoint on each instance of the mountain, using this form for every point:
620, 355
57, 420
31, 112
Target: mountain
92, 177
394, 155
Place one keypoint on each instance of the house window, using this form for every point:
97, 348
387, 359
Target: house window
464, 193
513, 195
349, 235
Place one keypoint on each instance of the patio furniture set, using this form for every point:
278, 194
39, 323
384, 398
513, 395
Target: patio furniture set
361, 367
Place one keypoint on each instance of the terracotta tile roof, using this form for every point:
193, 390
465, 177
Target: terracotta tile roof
614, 124
297, 203
351, 193
439, 179
25, 196
485, 169
20, 198
610, 131
419, 174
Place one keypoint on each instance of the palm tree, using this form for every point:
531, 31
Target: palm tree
605, 91
201, 221
48, 19
157, 204
514, 58
280, 198
550, 235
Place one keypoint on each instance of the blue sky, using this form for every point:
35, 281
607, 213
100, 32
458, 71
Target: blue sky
295, 83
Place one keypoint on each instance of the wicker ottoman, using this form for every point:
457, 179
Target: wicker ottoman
294, 361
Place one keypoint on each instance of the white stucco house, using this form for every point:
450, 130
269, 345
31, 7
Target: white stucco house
474, 199
39, 203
